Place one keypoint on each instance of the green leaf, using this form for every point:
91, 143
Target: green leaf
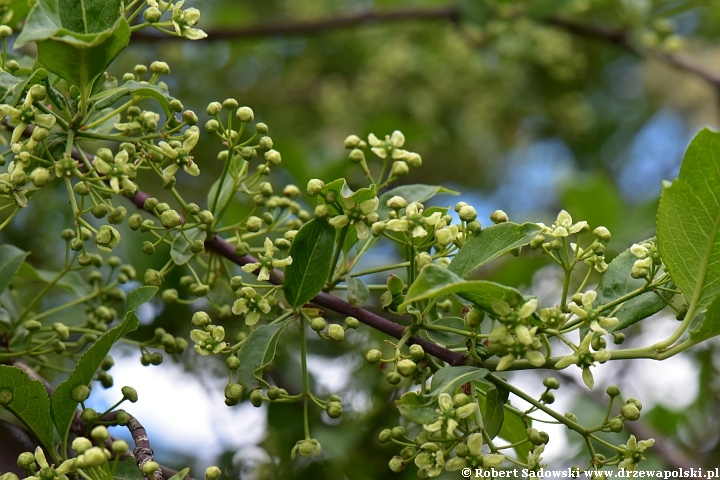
447, 338
357, 291
226, 192
180, 252
62, 405
689, 220
709, 326
311, 252
494, 412
127, 469
257, 352
412, 193
492, 242
514, 430
617, 282
449, 379
417, 408
76, 40
181, 474
435, 281
422, 408
7, 85
30, 403
11, 258
71, 281
138, 91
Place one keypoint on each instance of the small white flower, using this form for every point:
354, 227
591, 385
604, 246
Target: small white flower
266, 262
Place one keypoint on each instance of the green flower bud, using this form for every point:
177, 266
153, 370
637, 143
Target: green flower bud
352, 141
356, 155
373, 356
395, 285
474, 227
232, 362
150, 467
273, 392
12, 66
62, 331
413, 159
406, 367
80, 393
630, 412
32, 325
5, 31
119, 447
206, 217
352, 322
474, 318
211, 473
682, 312
273, 156
99, 210
148, 248
233, 391
153, 277
170, 296
170, 219
460, 400
551, 383
26, 460
100, 433
81, 445
256, 398
253, 224
602, 234
261, 128
107, 238
265, 143
107, 363
398, 432
467, 213
537, 241
385, 435
399, 168
393, 378
336, 332
152, 15
40, 177
135, 221
89, 416
230, 104
334, 409
616, 425
130, 394
245, 114
613, 391
317, 324
314, 187
213, 108
378, 228
156, 358
548, 397
397, 464
416, 352
635, 402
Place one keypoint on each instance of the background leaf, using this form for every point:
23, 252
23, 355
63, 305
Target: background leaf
137, 91
709, 326
617, 282
689, 220
435, 281
128, 470
311, 252
180, 251
492, 242
63, 406
257, 352
11, 258
357, 291
30, 403
447, 338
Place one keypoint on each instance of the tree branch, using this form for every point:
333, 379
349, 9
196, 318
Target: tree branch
449, 13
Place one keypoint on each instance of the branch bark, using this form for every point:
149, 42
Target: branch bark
448, 13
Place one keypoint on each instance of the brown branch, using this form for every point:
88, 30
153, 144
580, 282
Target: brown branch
623, 40
449, 13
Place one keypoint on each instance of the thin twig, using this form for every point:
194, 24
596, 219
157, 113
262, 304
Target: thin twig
449, 13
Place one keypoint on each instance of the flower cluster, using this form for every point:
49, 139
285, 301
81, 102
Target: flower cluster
515, 338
